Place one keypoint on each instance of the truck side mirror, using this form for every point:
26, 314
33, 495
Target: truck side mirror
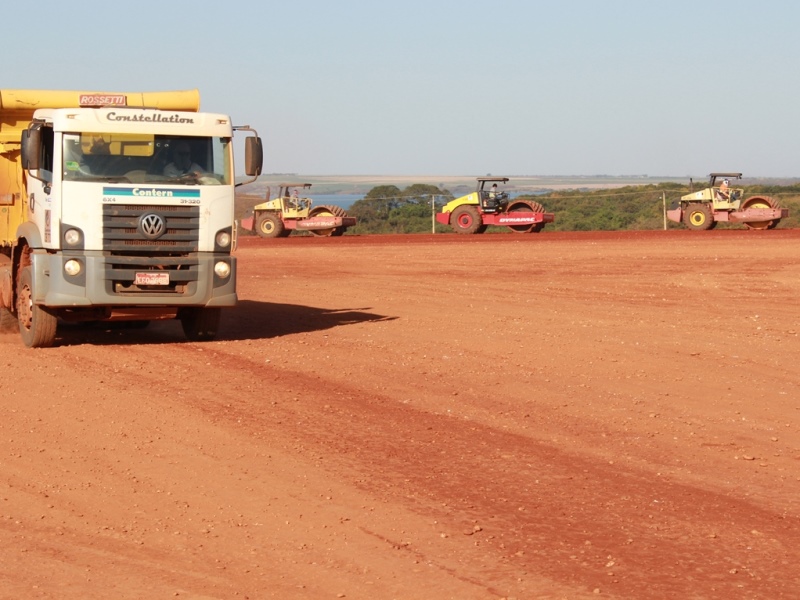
31, 148
253, 156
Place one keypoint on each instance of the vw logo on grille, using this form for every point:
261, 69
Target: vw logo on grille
152, 226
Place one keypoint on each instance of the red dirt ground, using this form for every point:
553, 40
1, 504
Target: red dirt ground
549, 416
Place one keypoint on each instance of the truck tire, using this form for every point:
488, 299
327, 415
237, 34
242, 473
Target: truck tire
526, 207
466, 219
761, 202
199, 323
269, 225
328, 211
36, 326
698, 216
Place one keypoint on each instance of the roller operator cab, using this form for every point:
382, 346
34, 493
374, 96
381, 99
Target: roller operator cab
116, 207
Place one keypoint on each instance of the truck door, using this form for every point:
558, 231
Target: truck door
38, 153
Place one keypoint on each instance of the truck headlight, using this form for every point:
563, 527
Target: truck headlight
73, 267
72, 237
223, 239
222, 269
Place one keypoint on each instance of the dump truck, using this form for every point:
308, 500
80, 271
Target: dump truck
488, 205
99, 220
702, 210
290, 210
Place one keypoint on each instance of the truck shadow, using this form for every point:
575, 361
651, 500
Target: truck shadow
258, 320
249, 320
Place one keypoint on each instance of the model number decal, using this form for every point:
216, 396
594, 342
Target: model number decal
190, 200
150, 192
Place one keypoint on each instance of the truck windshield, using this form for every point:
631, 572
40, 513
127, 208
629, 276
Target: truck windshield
146, 158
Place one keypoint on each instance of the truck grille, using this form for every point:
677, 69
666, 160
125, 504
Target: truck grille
121, 228
130, 251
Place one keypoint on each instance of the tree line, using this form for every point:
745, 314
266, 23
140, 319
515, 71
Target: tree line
389, 209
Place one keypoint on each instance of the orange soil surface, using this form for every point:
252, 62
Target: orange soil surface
549, 416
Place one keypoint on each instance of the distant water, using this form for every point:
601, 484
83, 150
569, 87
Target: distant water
342, 200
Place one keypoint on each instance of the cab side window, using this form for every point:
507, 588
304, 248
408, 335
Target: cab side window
46, 168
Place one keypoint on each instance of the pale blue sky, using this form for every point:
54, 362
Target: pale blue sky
436, 87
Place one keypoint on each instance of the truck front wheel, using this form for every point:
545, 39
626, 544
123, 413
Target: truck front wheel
36, 325
200, 324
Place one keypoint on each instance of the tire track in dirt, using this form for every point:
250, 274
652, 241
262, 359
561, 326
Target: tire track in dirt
529, 506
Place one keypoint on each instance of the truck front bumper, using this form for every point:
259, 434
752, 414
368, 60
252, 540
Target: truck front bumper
107, 281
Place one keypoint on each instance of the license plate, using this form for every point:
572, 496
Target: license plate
152, 279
